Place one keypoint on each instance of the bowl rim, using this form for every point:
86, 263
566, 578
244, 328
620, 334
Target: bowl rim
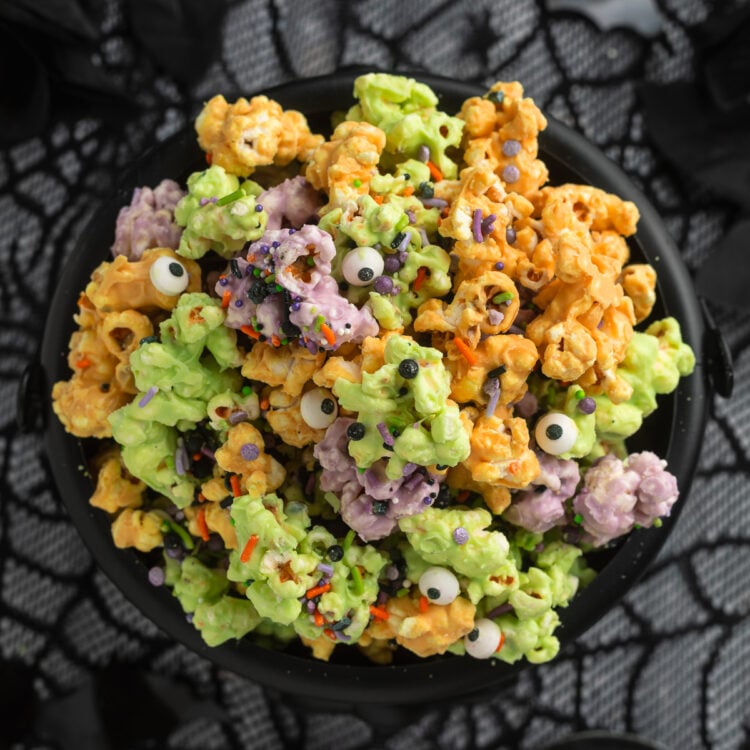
432, 679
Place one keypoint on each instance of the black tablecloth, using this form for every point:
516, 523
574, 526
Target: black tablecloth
671, 662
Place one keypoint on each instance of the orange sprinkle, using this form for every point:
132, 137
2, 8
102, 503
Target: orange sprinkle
378, 199
437, 175
247, 550
209, 158
83, 363
330, 634
409, 190
467, 353
317, 590
201, 497
225, 299
263, 404
275, 340
379, 613
421, 275
202, 525
424, 603
501, 643
513, 467
234, 480
327, 331
249, 331
318, 618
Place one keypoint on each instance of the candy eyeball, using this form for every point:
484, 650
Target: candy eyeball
555, 433
318, 408
362, 266
484, 640
168, 275
439, 585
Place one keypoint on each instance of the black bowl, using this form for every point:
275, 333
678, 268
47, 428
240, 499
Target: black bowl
674, 431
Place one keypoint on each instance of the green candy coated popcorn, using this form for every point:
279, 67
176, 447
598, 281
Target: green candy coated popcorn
198, 584
218, 214
431, 534
226, 619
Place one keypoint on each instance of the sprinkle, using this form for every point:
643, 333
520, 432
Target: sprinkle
342, 636
423, 153
225, 299
496, 372
578, 518
511, 147
409, 469
496, 96
385, 434
359, 584
435, 172
419, 280
249, 451
326, 569
185, 538
202, 525
492, 388
460, 535
510, 235
488, 224
234, 482
379, 613
498, 299
434, 202
383, 284
83, 363
511, 173
247, 550
328, 333
587, 405
411, 215
317, 590
406, 239
465, 350
156, 576
357, 183
148, 395
495, 317
501, 641
230, 198
318, 619
180, 458
249, 331
408, 191
348, 539
424, 604
501, 609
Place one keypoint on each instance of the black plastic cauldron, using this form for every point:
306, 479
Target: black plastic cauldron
674, 431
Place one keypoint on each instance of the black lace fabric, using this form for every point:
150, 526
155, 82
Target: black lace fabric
670, 662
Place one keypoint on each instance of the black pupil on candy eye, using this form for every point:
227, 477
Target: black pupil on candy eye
356, 431
176, 269
473, 635
327, 406
433, 593
408, 368
554, 432
365, 274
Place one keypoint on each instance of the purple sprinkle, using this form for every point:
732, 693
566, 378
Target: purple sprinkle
249, 451
427, 500
223, 281
275, 244
492, 389
384, 433
511, 173
207, 452
156, 576
396, 289
488, 224
434, 202
409, 469
460, 535
404, 242
180, 458
342, 636
292, 231
189, 617
310, 606
148, 395
412, 483
402, 256
499, 265
383, 284
264, 249
495, 317
423, 153
587, 405
238, 303
325, 568
511, 147
258, 207
411, 216
391, 264
238, 416
501, 609
476, 225
423, 236
295, 306
510, 235
600, 324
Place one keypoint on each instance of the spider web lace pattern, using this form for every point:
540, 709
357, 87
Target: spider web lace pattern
669, 662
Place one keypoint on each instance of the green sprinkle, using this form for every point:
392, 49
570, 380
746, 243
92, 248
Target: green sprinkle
284, 342
402, 593
578, 518
246, 390
359, 584
580, 394
230, 198
658, 523
278, 287
318, 323
357, 183
187, 540
310, 260
256, 272
270, 278
348, 539
502, 297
